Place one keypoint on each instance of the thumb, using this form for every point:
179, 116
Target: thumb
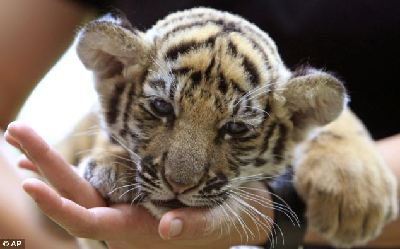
186, 223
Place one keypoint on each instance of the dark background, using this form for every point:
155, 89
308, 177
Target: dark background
358, 40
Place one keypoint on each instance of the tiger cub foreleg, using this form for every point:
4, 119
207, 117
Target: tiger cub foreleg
349, 191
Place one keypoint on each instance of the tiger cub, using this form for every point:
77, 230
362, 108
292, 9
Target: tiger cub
202, 104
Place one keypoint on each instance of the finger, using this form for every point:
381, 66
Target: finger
76, 219
185, 224
103, 223
52, 166
11, 140
25, 163
128, 220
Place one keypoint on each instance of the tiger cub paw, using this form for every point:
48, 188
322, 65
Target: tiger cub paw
349, 191
115, 185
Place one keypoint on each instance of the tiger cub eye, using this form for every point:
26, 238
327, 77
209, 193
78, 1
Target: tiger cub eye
162, 108
236, 128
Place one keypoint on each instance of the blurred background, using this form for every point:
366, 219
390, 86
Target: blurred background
61, 98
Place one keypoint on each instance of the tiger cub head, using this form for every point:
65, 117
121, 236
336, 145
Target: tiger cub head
202, 102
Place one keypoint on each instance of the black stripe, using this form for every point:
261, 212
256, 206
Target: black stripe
248, 108
222, 85
246, 139
268, 134
216, 184
150, 115
267, 109
177, 71
236, 108
241, 161
232, 47
280, 143
148, 167
181, 70
181, 17
209, 68
144, 76
260, 162
112, 140
113, 103
148, 181
174, 52
233, 166
123, 132
236, 86
183, 27
244, 148
128, 106
196, 77
251, 68
258, 47
229, 27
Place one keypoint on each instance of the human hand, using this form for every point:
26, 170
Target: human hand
79, 209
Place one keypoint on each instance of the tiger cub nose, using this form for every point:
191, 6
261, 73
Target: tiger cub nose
179, 187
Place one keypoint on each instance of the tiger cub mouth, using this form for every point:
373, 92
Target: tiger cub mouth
170, 204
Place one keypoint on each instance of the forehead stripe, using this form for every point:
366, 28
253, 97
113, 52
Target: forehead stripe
252, 71
227, 27
179, 17
195, 23
182, 27
182, 48
249, 66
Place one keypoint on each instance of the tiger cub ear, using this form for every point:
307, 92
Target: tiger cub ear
107, 45
314, 97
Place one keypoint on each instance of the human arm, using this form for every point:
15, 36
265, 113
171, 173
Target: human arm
33, 36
